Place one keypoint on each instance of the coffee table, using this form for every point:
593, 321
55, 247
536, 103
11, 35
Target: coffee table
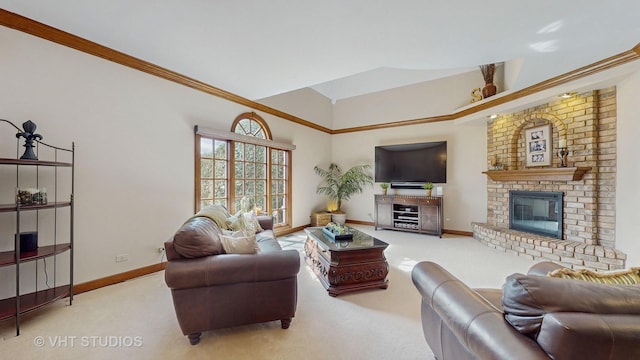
345, 266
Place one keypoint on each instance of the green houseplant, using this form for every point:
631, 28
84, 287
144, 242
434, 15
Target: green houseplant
339, 186
428, 187
384, 186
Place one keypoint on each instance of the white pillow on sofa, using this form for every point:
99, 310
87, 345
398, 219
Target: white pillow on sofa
238, 243
252, 223
246, 222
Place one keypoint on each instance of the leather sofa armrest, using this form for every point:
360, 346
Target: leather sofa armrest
478, 324
570, 335
231, 269
170, 250
543, 268
266, 221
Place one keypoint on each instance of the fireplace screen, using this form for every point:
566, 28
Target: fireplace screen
536, 212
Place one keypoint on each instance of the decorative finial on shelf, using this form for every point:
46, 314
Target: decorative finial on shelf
29, 129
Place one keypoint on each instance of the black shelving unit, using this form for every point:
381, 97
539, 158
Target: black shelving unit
23, 302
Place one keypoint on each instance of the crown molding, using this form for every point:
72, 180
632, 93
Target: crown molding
591, 69
35, 28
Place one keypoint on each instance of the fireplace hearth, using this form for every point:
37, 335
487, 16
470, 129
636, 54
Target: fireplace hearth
537, 212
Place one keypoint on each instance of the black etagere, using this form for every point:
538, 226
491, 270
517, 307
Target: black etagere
42, 205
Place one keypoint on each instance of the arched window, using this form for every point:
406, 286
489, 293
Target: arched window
245, 170
251, 124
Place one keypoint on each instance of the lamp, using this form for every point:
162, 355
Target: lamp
29, 135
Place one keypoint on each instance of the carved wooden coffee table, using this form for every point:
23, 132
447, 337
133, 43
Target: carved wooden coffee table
345, 266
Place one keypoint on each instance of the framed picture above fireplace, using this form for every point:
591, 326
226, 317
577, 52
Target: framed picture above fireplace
538, 146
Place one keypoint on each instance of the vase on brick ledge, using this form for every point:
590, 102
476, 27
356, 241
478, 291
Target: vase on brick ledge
488, 71
488, 90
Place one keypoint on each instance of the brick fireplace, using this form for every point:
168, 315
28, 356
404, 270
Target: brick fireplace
587, 122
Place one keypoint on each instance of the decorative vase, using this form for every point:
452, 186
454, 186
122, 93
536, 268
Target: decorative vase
384, 191
489, 90
339, 219
428, 192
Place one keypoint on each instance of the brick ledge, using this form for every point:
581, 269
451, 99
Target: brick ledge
572, 254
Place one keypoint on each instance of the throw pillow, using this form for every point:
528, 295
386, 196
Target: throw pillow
217, 213
237, 222
526, 299
239, 244
623, 277
198, 237
227, 232
252, 223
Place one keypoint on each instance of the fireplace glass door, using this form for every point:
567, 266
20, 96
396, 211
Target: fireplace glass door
536, 212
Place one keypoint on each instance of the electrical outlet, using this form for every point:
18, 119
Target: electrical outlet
122, 257
161, 250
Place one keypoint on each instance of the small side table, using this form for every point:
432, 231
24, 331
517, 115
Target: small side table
320, 218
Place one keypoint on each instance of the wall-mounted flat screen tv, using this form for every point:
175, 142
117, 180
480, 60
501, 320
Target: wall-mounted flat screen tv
411, 165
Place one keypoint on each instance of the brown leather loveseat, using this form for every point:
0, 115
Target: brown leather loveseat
212, 289
534, 316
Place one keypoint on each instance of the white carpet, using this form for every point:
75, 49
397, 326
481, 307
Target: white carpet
135, 319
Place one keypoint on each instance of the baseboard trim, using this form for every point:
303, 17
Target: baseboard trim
445, 231
132, 274
360, 222
118, 278
458, 232
290, 230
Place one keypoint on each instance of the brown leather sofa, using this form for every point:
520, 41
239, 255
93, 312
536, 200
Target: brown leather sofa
533, 317
225, 290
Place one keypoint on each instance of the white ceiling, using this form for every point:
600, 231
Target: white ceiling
344, 48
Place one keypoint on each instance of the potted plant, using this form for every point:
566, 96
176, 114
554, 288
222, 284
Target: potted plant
384, 186
340, 186
428, 187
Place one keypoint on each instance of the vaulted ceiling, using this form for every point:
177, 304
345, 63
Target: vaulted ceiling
344, 48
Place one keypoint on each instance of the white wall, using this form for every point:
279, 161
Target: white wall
628, 177
305, 103
135, 150
437, 97
465, 194
465, 191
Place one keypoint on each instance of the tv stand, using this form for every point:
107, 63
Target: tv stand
421, 214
